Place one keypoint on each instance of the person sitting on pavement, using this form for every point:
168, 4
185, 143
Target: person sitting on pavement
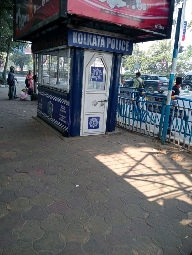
11, 82
29, 82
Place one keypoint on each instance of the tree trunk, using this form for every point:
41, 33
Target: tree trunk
7, 57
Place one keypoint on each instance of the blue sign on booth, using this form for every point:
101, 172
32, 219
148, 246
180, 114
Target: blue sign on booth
97, 74
99, 42
93, 122
55, 109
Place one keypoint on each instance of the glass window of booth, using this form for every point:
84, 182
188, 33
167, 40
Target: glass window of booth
54, 70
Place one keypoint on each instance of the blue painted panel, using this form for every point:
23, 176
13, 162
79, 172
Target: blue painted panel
55, 110
113, 93
99, 42
76, 80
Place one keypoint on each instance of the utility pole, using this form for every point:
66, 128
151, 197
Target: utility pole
178, 38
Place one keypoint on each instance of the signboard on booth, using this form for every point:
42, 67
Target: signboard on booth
99, 42
148, 15
55, 110
31, 15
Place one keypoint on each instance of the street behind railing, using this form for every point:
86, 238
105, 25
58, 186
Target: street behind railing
144, 113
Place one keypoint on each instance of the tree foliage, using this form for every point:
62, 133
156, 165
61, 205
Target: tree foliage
6, 31
21, 59
158, 59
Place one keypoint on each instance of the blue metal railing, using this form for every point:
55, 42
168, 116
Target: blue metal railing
145, 113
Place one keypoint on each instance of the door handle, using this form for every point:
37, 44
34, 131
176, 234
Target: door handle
103, 101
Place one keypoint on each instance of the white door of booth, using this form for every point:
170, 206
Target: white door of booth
95, 94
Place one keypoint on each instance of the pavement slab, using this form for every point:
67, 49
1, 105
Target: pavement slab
50, 241
119, 194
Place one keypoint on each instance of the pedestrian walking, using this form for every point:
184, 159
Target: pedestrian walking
11, 82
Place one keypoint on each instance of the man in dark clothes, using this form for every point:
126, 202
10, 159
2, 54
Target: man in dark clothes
176, 87
11, 82
175, 92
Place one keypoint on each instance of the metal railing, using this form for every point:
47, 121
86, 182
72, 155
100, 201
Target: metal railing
144, 113
180, 123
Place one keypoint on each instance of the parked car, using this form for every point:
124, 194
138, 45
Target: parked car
187, 81
153, 82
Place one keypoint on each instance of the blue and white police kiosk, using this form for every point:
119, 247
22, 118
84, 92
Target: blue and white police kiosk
78, 46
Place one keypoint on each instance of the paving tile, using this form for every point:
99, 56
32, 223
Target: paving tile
4, 180
123, 250
164, 237
167, 250
65, 184
141, 228
45, 253
115, 203
25, 169
117, 218
132, 198
113, 192
51, 170
3, 209
50, 241
7, 196
75, 233
97, 209
97, 245
58, 206
97, 196
184, 207
78, 202
21, 204
26, 192
98, 225
80, 191
120, 236
96, 185
22, 246
30, 230
173, 213
180, 230
38, 174
134, 211
144, 245
186, 247
95, 176
37, 212
157, 219
72, 248
12, 220
20, 177
6, 238
54, 221
76, 216
58, 194
41, 199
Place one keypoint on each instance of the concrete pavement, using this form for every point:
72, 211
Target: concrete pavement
121, 194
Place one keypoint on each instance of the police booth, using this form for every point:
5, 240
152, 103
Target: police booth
77, 47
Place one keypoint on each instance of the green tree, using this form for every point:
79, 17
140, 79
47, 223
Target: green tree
6, 32
21, 59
